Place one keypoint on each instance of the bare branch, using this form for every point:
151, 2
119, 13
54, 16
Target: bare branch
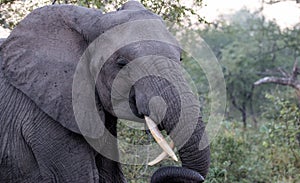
283, 72
288, 79
295, 71
277, 80
272, 2
278, 1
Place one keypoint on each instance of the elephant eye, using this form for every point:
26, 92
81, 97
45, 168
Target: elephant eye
121, 61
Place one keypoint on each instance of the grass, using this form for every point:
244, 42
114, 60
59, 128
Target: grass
237, 155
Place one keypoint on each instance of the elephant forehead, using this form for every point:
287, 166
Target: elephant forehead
133, 5
149, 47
112, 19
125, 34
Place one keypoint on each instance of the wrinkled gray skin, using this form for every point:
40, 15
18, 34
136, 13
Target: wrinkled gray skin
39, 138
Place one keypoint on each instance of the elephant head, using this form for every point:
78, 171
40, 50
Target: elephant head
41, 58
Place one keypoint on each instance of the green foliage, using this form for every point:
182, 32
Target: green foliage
12, 11
172, 11
176, 11
283, 144
235, 156
249, 48
270, 154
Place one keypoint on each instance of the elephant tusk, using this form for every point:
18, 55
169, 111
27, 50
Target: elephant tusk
159, 138
160, 157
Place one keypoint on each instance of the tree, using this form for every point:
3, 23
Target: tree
280, 75
277, 1
248, 47
12, 11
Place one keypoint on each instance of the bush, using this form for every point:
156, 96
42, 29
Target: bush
236, 156
268, 154
282, 146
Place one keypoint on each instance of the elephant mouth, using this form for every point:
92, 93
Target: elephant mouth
157, 135
133, 105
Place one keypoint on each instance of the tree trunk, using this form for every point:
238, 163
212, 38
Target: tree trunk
244, 118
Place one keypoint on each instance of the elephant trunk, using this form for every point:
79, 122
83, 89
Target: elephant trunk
194, 152
192, 155
165, 105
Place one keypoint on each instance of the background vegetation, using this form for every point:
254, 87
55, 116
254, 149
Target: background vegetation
259, 140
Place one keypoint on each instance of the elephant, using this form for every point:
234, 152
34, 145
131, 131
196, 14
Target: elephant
40, 138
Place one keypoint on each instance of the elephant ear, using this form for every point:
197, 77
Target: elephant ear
41, 54
1, 41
